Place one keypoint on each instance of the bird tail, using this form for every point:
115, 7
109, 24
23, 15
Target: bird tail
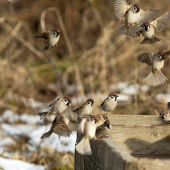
155, 79
83, 147
47, 134
150, 41
42, 114
133, 31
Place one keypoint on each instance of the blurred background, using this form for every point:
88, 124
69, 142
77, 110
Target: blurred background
90, 61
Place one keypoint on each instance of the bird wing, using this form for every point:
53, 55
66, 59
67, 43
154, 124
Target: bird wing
146, 15
80, 107
146, 58
69, 113
60, 128
73, 126
160, 22
121, 7
44, 35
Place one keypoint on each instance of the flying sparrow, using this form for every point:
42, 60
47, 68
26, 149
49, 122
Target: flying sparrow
60, 106
109, 104
85, 109
88, 129
62, 127
157, 24
104, 130
164, 115
52, 38
155, 78
133, 15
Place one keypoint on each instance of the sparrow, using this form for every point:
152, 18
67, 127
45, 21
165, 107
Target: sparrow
52, 38
85, 109
60, 106
104, 130
155, 78
133, 15
88, 129
109, 104
62, 127
164, 114
157, 24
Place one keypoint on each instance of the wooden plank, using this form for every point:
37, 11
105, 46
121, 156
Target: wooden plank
134, 119
143, 139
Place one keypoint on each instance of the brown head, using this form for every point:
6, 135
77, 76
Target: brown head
55, 32
136, 7
164, 114
104, 116
68, 98
162, 55
90, 101
107, 124
113, 96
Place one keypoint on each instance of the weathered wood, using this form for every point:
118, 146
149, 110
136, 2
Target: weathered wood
143, 144
134, 119
143, 139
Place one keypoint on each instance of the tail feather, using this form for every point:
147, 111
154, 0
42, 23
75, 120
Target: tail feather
47, 134
150, 41
83, 147
42, 114
133, 31
155, 79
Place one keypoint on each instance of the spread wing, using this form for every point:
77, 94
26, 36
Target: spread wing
146, 58
60, 128
146, 15
69, 113
160, 22
73, 126
121, 7
44, 35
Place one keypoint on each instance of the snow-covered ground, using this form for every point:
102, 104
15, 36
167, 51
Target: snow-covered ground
9, 164
34, 130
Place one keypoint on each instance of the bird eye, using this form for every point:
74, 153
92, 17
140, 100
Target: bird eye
65, 100
134, 8
165, 115
92, 119
143, 26
88, 102
149, 26
104, 125
104, 119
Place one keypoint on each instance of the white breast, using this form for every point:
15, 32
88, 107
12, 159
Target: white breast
53, 40
150, 33
132, 17
90, 129
158, 64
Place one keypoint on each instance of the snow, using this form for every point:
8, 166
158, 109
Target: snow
34, 131
10, 164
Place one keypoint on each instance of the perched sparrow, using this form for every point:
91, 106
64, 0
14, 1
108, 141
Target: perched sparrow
88, 129
164, 115
85, 109
155, 78
104, 130
109, 104
51, 36
157, 24
62, 127
133, 15
61, 106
